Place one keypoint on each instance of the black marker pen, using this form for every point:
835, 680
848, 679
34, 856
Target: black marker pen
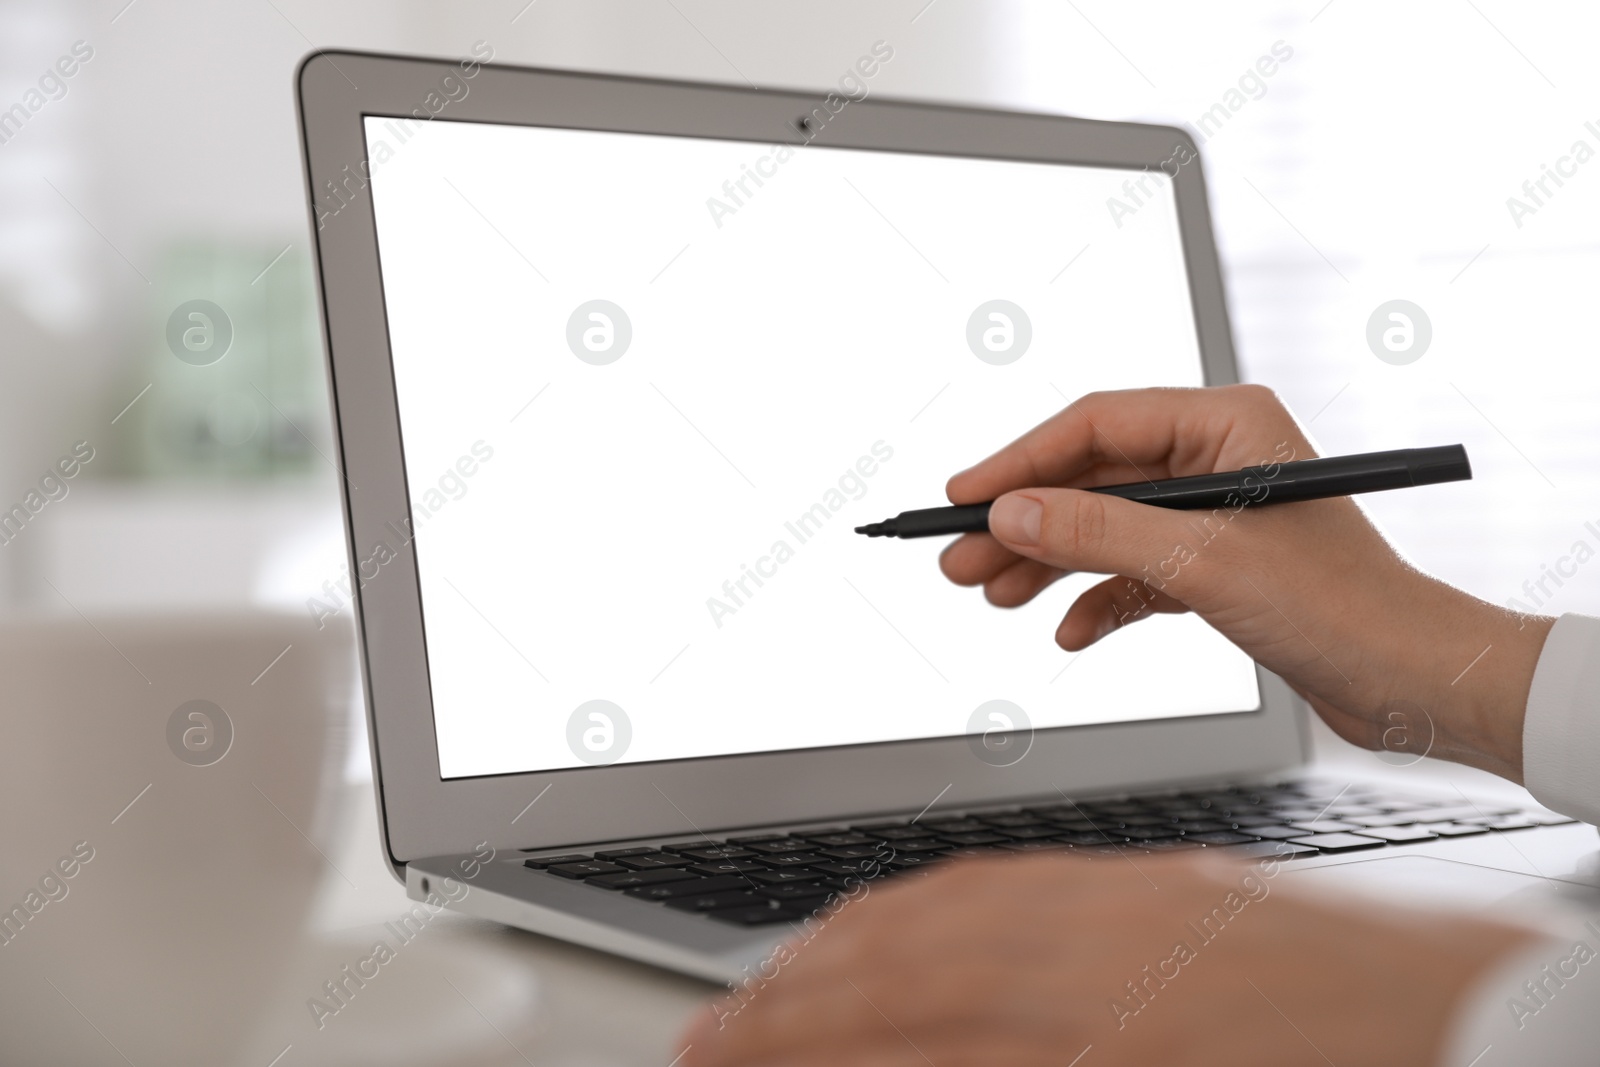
1308, 479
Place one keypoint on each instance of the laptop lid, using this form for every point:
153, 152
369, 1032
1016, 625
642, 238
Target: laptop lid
618, 363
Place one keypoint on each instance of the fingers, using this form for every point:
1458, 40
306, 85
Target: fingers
1111, 605
1008, 579
1073, 530
1020, 583
974, 559
1124, 436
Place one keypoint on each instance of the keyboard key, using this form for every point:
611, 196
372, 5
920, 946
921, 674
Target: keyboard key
1296, 813
714, 852
1170, 844
804, 892
1028, 833
688, 887
752, 838
973, 838
1207, 826
1244, 822
1276, 833
630, 879
901, 848
1263, 849
1337, 842
1464, 812
1091, 838
713, 868
1325, 826
838, 840
979, 851
1392, 819
541, 862
779, 847
1145, 834
1010, 821
1548, 818
1508, 822
618, 853
1033, 846
654, 861
757, 915
584, 869
902, 863
1453, 829
1399, 834
803, 874
946, 827
850, 868
731, 898
900, 833
1054, 812
853, 852
1114, 809
1222, 837
791, 859
850, 883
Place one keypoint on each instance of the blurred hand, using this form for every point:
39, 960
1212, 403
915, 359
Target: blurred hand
992, 963
1310, 590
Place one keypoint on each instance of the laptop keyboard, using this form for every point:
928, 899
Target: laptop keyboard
758, 879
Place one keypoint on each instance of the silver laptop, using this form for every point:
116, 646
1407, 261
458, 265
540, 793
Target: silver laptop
618, 364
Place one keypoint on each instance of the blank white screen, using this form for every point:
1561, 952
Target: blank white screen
775, 346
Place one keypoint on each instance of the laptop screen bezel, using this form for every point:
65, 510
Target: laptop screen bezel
425, 814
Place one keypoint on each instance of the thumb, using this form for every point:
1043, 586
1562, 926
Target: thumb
1076, 530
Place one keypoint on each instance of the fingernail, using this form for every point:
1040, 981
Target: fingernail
1017, 519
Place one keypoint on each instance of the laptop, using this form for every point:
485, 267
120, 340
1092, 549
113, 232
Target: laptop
618, 364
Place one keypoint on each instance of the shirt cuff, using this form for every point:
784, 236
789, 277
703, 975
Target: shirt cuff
1561, 733
1536, 1007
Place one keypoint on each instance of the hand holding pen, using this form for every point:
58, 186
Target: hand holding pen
1313, 592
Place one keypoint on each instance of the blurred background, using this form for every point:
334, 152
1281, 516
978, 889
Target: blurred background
1376, 163
1399, 152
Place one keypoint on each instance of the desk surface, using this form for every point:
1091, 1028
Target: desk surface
258, 945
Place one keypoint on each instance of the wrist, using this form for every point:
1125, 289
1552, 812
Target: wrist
1476, 677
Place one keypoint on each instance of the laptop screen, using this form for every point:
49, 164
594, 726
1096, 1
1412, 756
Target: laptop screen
648, 385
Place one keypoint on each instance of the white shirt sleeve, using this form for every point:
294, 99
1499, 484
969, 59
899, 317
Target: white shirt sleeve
1561, 734
1539, 1006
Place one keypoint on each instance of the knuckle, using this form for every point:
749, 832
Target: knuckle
1258, 397
1077, 523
